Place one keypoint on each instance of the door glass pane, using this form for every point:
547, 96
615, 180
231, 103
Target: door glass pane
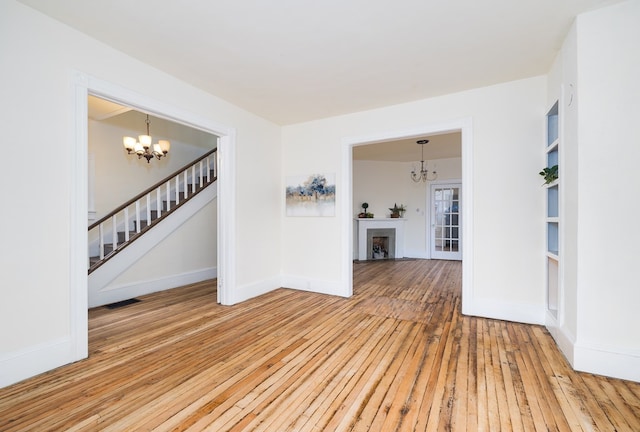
447, 212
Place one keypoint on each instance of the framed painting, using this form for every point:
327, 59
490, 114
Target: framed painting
311, 195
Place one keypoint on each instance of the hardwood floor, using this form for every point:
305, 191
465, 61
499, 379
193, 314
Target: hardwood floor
397, 356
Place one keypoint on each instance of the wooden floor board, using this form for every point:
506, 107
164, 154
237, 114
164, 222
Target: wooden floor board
396, 356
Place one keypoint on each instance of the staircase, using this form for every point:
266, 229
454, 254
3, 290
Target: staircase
111, 234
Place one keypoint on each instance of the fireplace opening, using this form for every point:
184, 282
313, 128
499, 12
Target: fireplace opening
381, 243
380, 249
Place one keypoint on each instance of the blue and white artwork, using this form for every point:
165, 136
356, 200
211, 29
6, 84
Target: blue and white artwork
311, 195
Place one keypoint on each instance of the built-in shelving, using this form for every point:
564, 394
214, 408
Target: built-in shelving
552, 220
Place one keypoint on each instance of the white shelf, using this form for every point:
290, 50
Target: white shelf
553, 146
553, 256
553, 219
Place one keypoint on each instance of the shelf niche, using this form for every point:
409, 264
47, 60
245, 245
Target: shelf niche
552, 150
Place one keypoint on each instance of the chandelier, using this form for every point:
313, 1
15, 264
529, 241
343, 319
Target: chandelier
423, 175
143, 147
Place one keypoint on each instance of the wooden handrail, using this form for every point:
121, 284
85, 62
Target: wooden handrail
146, 191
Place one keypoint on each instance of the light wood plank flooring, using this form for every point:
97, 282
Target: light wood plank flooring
397, 356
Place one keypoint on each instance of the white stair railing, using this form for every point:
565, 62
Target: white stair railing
124, 224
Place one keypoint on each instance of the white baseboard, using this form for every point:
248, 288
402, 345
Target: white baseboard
566, 341
117, 293
314, 285
607, 361
420, 254
498, 309
600, 360
246, 292
20, 365
252, 290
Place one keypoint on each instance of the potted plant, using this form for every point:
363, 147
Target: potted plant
397, 210
550, 174
365, 213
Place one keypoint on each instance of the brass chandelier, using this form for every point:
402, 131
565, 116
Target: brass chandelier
423, 174
144, 148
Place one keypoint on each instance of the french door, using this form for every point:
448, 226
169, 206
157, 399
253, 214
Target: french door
445, 221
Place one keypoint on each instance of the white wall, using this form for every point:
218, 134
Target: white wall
507, 227
383, 184
609, 199
38, 112
119, 176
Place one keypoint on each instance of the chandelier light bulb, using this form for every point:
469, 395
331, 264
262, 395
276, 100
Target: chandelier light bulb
144, 147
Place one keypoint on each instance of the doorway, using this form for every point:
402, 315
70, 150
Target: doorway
464, 126
85, 85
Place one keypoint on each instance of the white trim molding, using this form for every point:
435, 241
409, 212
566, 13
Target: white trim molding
34, 360
226, 217
465, 126
78, 210
319, 286
84, 85
246, 292
564, 339
607, 360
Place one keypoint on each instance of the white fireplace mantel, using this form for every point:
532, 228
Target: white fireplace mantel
363, 224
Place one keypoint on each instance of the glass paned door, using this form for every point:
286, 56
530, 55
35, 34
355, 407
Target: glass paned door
445, 221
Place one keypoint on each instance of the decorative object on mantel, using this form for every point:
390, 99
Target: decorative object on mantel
397, 210
311, 195
144, 148
550, 174
423, 175
365, 213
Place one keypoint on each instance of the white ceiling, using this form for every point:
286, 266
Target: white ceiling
297, 60
100, 109
442, 146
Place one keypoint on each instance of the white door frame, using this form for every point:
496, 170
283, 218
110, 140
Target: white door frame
465, 126
430, 220
85, 85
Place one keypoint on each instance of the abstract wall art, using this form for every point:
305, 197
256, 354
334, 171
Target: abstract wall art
311, 195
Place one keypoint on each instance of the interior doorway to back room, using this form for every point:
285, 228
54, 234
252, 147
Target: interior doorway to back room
381, 174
